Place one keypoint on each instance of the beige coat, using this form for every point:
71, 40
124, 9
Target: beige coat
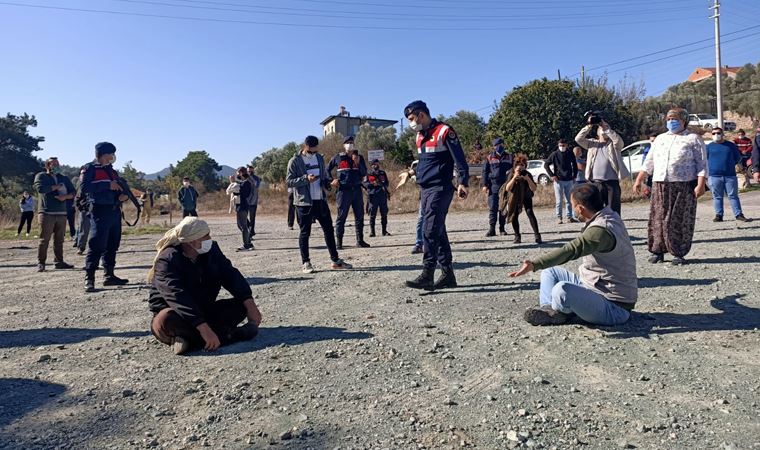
611, 148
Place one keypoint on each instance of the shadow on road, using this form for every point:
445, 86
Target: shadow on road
59, 336
289, 335
485, 288
268, 280
733, 316
665, 282
726, 260
19, 396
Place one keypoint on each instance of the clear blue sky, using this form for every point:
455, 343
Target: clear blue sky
236, 85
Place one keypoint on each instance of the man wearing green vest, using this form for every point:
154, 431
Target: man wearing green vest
606, 289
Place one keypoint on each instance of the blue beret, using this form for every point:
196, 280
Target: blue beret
417, 105
348, 139
104, 148
498, 141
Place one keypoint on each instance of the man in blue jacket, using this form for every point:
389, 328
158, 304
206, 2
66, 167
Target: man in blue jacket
104, 196
351, 170
495, 169
722, 158
438, 150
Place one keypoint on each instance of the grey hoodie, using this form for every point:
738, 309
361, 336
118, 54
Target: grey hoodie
298, 179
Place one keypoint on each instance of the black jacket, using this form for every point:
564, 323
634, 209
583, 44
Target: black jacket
565, 167
190, 289
756, 154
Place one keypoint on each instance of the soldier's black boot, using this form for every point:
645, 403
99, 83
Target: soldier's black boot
447, 279
360, 239
491, 231
385, 229
339, 240
112, 280
538, 239
89, 282
424, 281
502, 230
372, 229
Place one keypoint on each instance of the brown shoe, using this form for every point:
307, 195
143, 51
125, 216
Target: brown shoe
741, 218
545, 315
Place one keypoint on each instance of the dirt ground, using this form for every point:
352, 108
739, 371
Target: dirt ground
353, 360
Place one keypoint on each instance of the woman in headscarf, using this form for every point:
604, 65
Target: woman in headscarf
677, 164
187, 274
519, 191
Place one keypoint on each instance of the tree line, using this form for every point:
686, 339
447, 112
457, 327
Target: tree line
530, 118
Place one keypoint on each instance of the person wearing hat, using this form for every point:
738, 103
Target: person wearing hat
495, 169
439, 150
677, 164
104, 196
562, 169
351, 170
376, 184
187, 274
307, 176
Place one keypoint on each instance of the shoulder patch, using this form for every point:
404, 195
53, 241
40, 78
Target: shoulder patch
452, 135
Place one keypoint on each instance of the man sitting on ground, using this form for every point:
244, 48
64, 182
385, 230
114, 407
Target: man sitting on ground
607, 288
188, 272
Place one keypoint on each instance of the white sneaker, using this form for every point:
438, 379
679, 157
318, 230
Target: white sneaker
307, 268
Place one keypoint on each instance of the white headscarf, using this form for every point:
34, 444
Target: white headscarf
188, 230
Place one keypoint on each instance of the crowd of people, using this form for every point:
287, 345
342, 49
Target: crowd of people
190, 269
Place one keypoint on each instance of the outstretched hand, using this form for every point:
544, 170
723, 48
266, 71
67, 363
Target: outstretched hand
527, 266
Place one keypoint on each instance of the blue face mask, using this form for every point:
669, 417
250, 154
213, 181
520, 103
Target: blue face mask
673, 125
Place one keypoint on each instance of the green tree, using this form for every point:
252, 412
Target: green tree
532, 118
405, 150
471, 129
201, 168
272, 165
371, 138
17, 146
134, 177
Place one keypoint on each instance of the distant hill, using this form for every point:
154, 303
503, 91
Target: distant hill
224, 173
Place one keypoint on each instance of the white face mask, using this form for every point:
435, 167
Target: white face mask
186, 183
718, 137
113, 160
348, 147
205, 246
416, 126
562, 149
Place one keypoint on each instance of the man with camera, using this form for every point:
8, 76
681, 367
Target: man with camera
104, 195
604, 165
351, 170
438, 150
54, 190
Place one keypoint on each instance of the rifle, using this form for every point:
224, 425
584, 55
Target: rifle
128, 192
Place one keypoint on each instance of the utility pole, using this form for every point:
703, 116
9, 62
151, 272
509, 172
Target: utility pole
718, 93
559, 75
583, 76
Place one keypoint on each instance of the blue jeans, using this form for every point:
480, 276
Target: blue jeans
562, 189
564, 291
420, 222
729, 186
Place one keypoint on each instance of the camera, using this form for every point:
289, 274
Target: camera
593, 117
523, 172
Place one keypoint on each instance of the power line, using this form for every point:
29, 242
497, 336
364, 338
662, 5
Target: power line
458, 5
233, 7
306, 25
663, 51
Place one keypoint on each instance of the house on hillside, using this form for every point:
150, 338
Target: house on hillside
347, 125
704, 73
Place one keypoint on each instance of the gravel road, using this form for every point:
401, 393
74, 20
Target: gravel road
352, 360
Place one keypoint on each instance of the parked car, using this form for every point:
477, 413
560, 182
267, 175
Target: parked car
708, 121
633, 155
536, 168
